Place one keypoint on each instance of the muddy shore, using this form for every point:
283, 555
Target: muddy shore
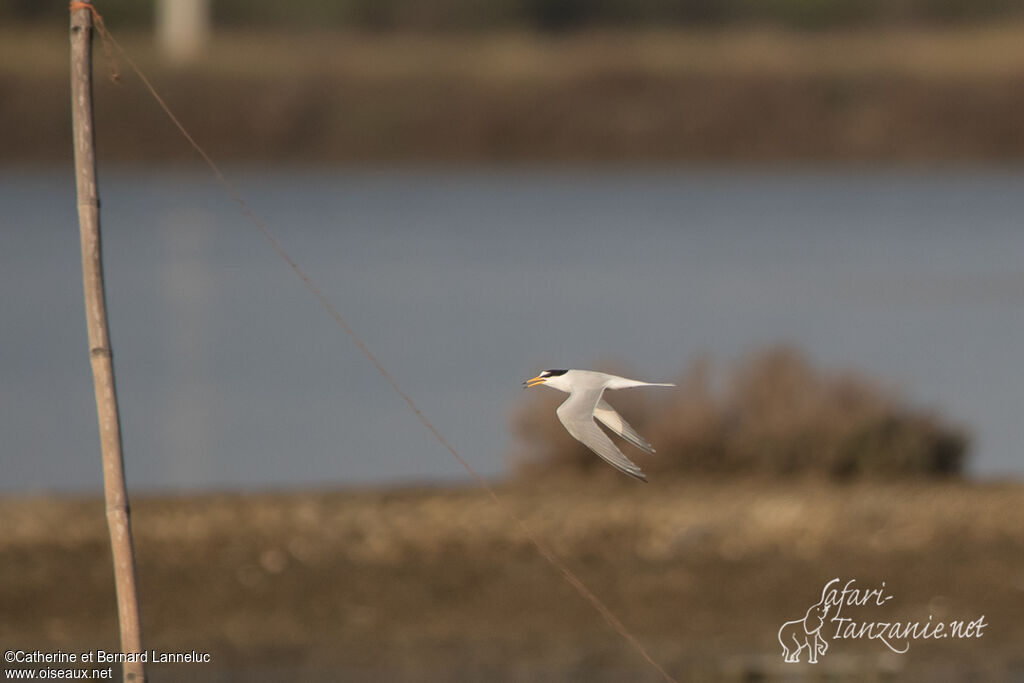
440, 584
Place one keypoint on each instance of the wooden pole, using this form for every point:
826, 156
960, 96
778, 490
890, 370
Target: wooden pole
118, 515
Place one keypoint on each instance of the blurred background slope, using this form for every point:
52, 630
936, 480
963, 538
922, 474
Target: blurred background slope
551, 15
547, 80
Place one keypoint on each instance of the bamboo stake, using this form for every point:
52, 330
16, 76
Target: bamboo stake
101, 357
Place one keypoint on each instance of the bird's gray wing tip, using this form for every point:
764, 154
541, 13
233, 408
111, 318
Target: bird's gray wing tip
636, 474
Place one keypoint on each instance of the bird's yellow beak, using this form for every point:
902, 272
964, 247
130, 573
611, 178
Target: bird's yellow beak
535, 382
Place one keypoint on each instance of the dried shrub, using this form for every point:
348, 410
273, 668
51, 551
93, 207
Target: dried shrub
774, 414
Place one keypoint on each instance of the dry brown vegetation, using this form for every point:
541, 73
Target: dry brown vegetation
774, 414
743, 94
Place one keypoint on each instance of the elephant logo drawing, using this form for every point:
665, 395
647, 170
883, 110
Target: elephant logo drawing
805, 634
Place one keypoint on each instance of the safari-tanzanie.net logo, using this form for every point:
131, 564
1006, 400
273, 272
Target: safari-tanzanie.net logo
824, 622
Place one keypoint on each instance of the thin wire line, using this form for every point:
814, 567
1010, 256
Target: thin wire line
546, 552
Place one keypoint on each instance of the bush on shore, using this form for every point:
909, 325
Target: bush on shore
774, 414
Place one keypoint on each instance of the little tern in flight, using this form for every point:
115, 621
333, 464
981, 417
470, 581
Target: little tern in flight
577, 413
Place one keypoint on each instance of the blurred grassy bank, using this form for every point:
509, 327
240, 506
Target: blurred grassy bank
438, 584
646, 95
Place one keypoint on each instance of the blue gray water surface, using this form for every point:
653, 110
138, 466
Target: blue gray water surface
465, 282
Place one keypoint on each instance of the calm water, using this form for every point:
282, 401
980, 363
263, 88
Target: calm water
466, 282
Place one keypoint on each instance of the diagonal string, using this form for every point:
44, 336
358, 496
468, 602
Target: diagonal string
545, 551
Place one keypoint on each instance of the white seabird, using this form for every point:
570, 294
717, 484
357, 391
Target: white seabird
577, 413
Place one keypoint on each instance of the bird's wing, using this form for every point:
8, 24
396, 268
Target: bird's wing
615, 422
577, 415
